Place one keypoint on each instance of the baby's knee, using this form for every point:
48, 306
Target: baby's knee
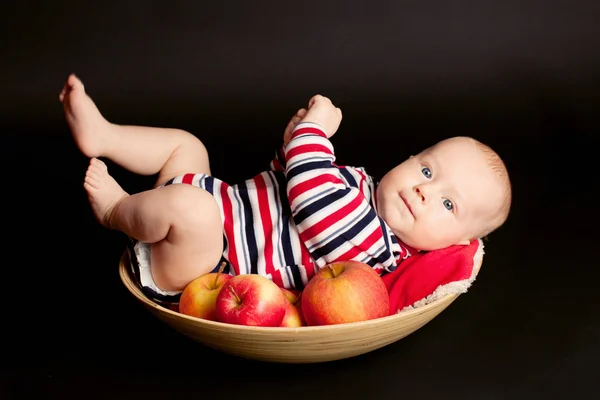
193, 144
191, 205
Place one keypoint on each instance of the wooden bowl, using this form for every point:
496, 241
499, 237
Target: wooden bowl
307, 344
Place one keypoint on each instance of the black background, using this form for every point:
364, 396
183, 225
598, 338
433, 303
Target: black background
522, 76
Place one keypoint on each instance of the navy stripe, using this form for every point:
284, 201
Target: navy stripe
286, 242
323, 202
349, 177
324, 250
276, 184
386, 237
308, 166
372, 262
346, 236
361, 224
209, 184
284, 250
395, 244
249, 227
286, 214
297, 284
343, 226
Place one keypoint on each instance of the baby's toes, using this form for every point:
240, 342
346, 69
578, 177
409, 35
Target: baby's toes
92, 181
96, 163
93, 174
96, 170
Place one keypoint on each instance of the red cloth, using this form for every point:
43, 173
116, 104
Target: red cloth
420, 275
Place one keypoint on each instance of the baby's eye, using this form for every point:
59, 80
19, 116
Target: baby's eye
427, 172
448, 204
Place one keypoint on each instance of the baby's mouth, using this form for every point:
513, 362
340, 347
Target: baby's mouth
407, 206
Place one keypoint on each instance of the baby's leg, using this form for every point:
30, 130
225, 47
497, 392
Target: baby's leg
143, 150
182, 222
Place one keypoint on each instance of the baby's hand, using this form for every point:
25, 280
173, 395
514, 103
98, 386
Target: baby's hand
287, 134
321, 111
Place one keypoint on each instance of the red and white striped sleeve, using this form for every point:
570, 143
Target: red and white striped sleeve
334, 218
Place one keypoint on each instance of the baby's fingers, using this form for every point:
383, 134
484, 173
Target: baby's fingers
318, 99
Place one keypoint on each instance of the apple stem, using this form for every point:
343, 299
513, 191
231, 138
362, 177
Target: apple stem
219, 272
332, 270
232, 290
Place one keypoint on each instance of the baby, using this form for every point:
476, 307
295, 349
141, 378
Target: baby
285, 223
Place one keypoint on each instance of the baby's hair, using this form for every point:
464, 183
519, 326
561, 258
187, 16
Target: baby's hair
499, 169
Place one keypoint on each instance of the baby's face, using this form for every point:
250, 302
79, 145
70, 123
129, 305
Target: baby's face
443, 196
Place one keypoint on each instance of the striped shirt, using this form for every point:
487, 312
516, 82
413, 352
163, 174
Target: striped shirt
303, 213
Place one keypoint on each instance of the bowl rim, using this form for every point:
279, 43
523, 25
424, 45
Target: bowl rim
133, 288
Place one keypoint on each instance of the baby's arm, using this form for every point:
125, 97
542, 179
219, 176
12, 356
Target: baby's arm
333, 217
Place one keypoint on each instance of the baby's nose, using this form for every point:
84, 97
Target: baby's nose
419, 190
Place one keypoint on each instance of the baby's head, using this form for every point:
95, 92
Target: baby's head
451, 193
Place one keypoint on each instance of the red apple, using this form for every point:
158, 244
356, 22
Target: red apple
293, 316
198, 299
342, 292
291, 294
299, 307
251, 299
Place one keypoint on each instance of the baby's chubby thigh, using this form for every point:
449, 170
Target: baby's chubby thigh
194, 243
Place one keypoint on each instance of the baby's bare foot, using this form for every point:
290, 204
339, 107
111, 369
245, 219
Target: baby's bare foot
104, 193
88, 126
